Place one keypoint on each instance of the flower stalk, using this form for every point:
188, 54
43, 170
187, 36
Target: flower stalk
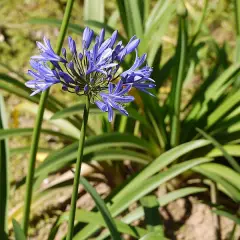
38, 124
78, 170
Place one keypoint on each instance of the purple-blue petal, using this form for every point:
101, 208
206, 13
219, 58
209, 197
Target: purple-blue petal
87, 37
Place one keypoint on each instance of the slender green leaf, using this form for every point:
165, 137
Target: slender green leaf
94, 10
233, 150
75, 109
102, 208
227, 173
200, 22
95, 218
14, 132
75, 27
158, 10
109, 30
18, 232
21, 90
227, 215
211, 91
122, 11
161, 137
4, 179
228, 157
121, 154
223, 109
60, 158
152, 217
55, 22
153, 236
133, 16
154, 33
223, 184
79, 107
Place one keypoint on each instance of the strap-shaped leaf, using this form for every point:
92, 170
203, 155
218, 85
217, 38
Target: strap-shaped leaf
18, 232
229, 158
102, 208
60, 158
4, 179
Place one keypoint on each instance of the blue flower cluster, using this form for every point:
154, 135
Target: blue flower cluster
92, 72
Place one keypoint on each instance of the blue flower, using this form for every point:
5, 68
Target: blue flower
44, 77
139, 77
87, 37
115, 97
92, 72
121, 51
47, 53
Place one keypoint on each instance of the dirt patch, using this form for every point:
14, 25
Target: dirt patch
189, 219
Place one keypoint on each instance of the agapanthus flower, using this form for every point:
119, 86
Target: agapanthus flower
93, 72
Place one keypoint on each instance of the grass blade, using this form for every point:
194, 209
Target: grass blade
4, 189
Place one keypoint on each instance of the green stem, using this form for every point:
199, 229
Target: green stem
237, 16
123, 124
199, 24
78, 171
38, 124
177, 88
237, 54
214, 200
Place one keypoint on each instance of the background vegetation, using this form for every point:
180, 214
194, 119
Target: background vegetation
170, 170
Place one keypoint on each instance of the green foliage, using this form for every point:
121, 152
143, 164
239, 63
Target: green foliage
18, 232
4, 179
188, 131
152, 217
102, 208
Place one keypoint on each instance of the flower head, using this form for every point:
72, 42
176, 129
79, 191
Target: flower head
93, 71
